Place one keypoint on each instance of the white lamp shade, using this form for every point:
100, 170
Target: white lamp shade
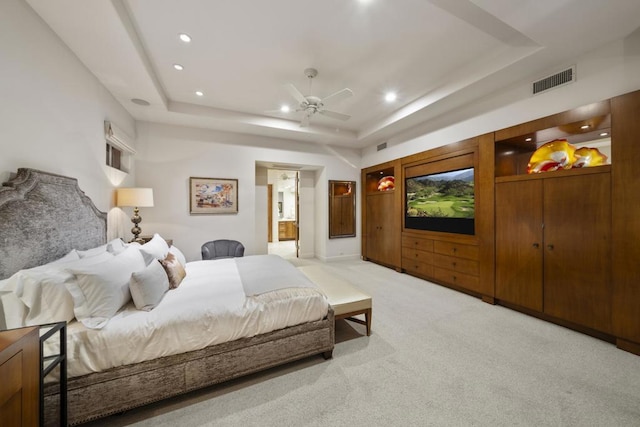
135, 197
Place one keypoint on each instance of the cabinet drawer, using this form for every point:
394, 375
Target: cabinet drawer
460, 265
416, 267
417, 243
417, 255
456, 278
456, 249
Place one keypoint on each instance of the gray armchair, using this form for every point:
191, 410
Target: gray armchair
222, 248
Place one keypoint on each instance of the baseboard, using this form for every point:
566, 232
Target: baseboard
341, 258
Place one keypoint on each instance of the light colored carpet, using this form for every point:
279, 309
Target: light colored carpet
436, 357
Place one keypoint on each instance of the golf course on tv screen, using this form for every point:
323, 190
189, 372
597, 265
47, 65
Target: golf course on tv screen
441, 202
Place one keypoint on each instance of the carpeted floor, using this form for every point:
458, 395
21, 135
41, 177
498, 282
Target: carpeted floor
436, 357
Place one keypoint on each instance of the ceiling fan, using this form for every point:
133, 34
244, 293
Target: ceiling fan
311, 105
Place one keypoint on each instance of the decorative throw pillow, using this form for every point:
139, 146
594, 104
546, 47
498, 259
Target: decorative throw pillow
149, 286
179, 255
99, 291
174, 270
156, 248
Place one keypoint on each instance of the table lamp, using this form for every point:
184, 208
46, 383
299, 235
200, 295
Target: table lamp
135, 197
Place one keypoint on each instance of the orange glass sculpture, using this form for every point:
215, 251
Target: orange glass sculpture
554, 155
386, 183
586, 157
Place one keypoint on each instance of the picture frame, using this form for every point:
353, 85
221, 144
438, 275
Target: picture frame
209, 196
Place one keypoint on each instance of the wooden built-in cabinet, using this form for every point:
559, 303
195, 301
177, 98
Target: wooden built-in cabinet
553, 245
444, 261
560, 245
286, 230
20, 377
625, 209
381, 219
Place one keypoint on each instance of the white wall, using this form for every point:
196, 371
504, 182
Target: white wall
168, 155
606, 72
52, 110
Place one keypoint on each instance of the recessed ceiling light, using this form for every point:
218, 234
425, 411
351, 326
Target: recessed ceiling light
604, 134
140, 102
285, 109
185, 37
584, 127
529, 139
199, 93
390, 97
178, 67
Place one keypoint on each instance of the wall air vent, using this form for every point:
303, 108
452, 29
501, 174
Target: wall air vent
559, 79
382, 146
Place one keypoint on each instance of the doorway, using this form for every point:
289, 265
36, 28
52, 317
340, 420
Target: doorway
283, 213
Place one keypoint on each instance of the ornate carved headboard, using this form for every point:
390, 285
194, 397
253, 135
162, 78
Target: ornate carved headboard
42, 217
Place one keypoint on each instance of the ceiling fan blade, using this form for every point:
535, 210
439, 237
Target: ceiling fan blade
334, 115
338, 96
295, 93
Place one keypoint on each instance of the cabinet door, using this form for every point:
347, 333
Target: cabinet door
380, 233
519, 250
577, 247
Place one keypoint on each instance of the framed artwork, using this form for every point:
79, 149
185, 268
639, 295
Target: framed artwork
213, 196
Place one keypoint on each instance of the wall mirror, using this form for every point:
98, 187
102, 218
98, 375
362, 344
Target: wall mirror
342, 209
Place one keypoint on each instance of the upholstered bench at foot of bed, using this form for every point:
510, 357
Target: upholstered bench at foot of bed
347, 300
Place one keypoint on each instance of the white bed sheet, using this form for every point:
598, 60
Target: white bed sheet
209, 307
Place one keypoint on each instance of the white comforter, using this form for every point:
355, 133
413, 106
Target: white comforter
209, 307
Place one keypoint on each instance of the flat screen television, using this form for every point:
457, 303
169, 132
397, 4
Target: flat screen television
441, 202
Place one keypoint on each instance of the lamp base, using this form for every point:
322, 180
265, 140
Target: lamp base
136, 230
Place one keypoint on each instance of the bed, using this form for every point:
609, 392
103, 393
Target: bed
252, 323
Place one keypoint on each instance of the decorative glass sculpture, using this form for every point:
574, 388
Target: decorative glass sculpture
554, 155
586, 157
386, 183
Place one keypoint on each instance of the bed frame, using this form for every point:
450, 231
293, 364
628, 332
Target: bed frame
42, 217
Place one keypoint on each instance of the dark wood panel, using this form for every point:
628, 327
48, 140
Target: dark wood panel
414, 266
485, 207
519, 243
20, 377
455, 278
625, 153
456, 249
577, 250
417, 243
461, 265
417, 255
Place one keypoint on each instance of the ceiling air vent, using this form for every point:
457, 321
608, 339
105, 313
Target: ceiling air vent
562, 78
382, 146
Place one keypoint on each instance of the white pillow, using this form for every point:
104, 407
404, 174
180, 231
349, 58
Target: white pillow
71, 256
93, 251
12, 311
100, 290
148, 286
179, 255
156, 248
42, 291
45, 292
117, 246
